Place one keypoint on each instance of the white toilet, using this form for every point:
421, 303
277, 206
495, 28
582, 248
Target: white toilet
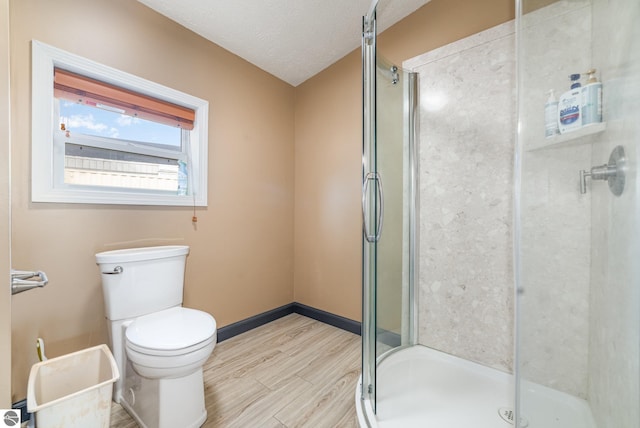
159, 346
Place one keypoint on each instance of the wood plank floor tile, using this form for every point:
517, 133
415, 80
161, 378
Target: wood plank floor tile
314, 351
120, 418
261, 411
227, 400
323, 406
349, 419
341, 357
292, 372
242, 366
265, 336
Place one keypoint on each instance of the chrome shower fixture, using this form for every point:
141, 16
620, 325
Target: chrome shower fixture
613, 172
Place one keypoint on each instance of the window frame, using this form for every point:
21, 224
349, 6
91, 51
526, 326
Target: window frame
45, 158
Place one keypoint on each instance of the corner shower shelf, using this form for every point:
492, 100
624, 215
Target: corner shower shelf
570, 138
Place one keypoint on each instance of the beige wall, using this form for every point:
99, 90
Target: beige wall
5, 296
328, 173
241, 259
328, 151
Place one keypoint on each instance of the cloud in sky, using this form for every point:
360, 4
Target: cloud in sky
89, 120
124, 120
84, 121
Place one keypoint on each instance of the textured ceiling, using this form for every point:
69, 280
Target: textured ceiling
291, 39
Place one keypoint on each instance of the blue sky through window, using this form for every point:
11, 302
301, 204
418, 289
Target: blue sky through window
90, 120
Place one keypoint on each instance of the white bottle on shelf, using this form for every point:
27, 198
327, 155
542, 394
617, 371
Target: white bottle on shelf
551, 116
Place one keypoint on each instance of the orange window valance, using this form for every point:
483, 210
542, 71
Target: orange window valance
82, 89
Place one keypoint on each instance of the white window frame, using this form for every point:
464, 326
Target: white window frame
46, 185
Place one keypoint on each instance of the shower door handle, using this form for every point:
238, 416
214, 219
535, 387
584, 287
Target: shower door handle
372, 176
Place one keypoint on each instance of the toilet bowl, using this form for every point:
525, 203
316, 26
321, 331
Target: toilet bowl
170, 343
159, 346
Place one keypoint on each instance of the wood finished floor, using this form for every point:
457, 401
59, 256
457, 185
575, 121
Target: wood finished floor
292, 372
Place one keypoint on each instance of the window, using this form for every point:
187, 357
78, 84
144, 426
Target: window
100, 135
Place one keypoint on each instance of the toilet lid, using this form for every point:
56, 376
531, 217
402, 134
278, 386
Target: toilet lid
170, 329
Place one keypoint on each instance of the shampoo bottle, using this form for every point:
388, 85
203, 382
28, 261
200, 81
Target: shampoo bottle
551, 116
569, 118
591, 109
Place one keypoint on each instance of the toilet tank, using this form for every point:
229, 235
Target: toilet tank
138, 281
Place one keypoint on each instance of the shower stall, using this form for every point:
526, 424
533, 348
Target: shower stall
501, 273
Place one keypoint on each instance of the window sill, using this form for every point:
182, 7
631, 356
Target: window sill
70, 195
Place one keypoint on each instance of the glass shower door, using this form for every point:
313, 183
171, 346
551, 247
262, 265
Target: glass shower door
388, 198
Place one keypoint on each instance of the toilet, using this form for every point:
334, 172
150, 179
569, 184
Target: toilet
159, 346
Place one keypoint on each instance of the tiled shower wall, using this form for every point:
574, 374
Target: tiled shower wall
467, 117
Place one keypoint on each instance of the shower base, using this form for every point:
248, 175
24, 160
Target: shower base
422, 387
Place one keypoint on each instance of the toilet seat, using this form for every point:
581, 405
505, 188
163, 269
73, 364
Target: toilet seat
170, 343
173, 331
